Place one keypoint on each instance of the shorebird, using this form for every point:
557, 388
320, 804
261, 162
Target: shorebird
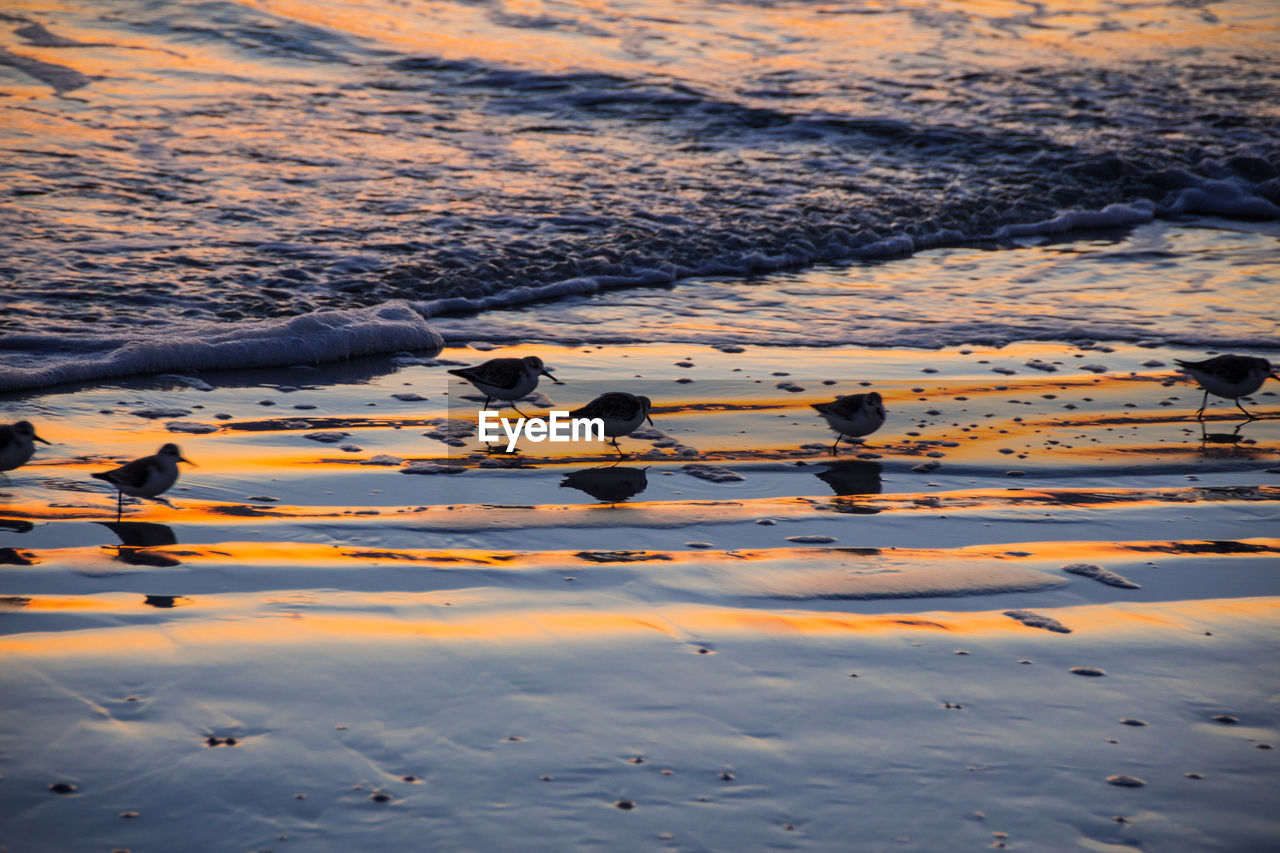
853, 416
146, 477
17, 443
621, 413
506, 379
1229, 376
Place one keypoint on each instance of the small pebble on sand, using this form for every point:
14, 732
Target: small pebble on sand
1036, 620
1122, 781
1100, 575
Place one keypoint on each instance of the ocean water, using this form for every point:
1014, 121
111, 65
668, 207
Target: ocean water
192, 185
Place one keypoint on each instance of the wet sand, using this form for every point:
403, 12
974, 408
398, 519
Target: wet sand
312, 648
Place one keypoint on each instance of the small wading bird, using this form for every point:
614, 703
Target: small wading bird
853, 416
506, 379
146, 477
1228, 376
621, 413
17, 443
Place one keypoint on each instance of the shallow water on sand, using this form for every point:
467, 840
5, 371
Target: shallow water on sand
1195, 282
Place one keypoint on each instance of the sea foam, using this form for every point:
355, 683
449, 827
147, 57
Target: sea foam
322, 336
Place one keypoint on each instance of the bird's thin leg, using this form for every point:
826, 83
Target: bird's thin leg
486, 402
617, 448
119, 505
1203, 403
1241, 407
517, 408
837, 444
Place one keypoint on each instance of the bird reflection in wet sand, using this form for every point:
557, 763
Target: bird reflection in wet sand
1231, 439
853, 416
622, 414
17, 444
852, 477
148, 477
1230, 377
136, 540
610, 484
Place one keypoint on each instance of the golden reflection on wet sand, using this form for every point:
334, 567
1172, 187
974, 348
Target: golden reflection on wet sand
677, 621
320, 555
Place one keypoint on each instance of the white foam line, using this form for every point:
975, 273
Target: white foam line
309, 338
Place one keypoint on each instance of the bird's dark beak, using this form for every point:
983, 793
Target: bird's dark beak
1273, 376
649, 419
547, 373
35, 437
188, 461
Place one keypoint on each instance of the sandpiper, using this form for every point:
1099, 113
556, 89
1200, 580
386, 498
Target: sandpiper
506, 379
17, 443
621, 412
146, 477
1229, 376
853, 416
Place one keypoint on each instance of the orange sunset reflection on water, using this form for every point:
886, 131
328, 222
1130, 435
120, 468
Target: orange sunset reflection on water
571, 627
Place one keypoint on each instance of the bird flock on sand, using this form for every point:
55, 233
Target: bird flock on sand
510, 379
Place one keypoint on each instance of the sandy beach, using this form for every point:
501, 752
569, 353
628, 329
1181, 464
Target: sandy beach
575, 650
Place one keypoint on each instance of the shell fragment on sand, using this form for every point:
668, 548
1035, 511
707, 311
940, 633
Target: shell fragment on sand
713, 473
193, 427
1036, 620
1101, 575
327, 437
1122, 781
431, 468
